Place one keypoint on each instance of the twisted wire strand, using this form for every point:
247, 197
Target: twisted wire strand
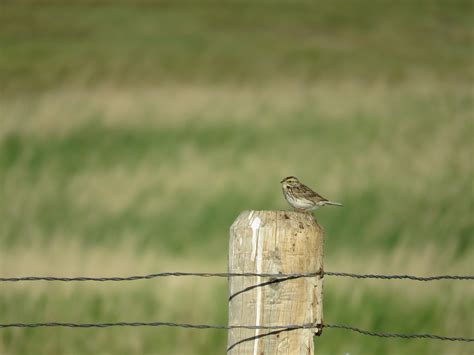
153, 276
397, 335
153, 324
400, 277
245, 274
225, 327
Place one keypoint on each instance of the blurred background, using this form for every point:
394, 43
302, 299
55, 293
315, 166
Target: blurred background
132, 134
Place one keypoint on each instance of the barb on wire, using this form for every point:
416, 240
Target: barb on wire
278, 328
244, 274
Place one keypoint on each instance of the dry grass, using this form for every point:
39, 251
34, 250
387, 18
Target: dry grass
176, 105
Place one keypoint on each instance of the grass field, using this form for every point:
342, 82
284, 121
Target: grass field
132, 135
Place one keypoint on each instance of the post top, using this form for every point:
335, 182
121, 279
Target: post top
277, 211
260, 218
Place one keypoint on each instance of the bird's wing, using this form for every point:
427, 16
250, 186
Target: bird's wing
306, 192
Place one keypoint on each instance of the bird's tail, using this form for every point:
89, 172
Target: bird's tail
333, 203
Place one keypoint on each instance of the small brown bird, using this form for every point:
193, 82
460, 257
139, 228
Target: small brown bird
301, 197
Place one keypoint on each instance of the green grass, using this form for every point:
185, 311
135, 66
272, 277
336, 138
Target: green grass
132, 135
45, 44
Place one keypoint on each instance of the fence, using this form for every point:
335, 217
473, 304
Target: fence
273, 278
223, 327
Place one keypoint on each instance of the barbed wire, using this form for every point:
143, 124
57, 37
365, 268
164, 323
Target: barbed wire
152, 324
229, 327
244, 274
397, 335
274, 277
401, 277
153, 276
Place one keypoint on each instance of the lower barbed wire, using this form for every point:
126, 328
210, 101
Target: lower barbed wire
228, 327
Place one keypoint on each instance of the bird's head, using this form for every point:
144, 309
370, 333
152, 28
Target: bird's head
290, 181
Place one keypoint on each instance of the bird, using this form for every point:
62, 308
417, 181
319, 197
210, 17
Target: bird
301, 197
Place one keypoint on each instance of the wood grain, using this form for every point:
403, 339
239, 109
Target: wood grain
275, 242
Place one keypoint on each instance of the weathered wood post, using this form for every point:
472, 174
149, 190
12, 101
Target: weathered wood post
275, 242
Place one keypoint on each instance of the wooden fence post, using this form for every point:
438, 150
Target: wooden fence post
275, 242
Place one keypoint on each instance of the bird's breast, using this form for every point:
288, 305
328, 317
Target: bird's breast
299, 203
